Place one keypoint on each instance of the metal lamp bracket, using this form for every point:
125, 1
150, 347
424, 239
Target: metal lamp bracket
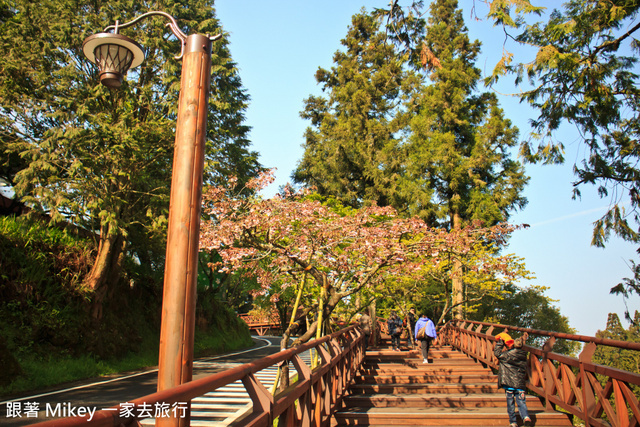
172, 24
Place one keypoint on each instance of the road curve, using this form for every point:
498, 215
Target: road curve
105, 393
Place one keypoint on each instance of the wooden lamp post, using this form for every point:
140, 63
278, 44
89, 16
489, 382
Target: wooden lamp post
115, 54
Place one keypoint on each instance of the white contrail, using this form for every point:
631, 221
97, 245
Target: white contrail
573, 215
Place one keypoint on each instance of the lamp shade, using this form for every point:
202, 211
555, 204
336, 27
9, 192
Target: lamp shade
114, 54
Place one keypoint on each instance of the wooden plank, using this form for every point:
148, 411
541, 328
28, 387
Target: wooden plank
396, 388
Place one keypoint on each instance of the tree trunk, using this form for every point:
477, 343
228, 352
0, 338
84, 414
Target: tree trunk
457, 290
106, 270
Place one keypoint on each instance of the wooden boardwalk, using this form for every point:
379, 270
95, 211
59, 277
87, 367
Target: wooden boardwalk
396, 388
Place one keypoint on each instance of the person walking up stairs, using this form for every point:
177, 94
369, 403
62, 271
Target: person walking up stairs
425, 333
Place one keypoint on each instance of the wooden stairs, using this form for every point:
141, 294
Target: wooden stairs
396, 389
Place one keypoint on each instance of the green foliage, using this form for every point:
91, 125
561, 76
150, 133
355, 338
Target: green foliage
500, 11
351, 148
627, 288
234, 289
426, 295
585, 73
35, 256
47, 333
403, 125
102, 158
627, 360
458, 154
528, 308
32, 231
219, 329
425, 143
11, 368
43, 305
488, 277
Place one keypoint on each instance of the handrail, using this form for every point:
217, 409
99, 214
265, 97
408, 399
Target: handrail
310, 400
583, 338
599, 395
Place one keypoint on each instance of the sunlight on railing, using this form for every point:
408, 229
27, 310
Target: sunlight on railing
596, 394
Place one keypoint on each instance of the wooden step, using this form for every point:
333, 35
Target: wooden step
423, 388
437, 352
400, 358
452, 400
420, 369
418, 363
415, 356
395, 388
426, 377
415, 350
438, 416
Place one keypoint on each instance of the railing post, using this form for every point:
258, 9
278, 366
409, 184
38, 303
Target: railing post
325, 392
488, 347
588, 398
469, 339
306, 401
548, 373
261, 397
338, 379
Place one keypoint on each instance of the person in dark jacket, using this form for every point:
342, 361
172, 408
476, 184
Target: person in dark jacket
512, 376
412, 324
394, 324
366, 326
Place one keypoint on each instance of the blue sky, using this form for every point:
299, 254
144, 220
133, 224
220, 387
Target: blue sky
278, 46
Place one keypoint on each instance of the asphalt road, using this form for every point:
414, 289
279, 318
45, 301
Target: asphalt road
104, 393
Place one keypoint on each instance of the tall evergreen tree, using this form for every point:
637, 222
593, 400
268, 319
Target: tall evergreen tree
458, 163
444, 154
351, 148
460, 143
101, 158
628, 360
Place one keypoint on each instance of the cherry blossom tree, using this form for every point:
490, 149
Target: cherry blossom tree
330, 252
484, 271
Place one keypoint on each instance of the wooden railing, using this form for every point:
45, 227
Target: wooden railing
262, 324
598, 395
310, 400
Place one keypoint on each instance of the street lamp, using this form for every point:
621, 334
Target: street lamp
115, 54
